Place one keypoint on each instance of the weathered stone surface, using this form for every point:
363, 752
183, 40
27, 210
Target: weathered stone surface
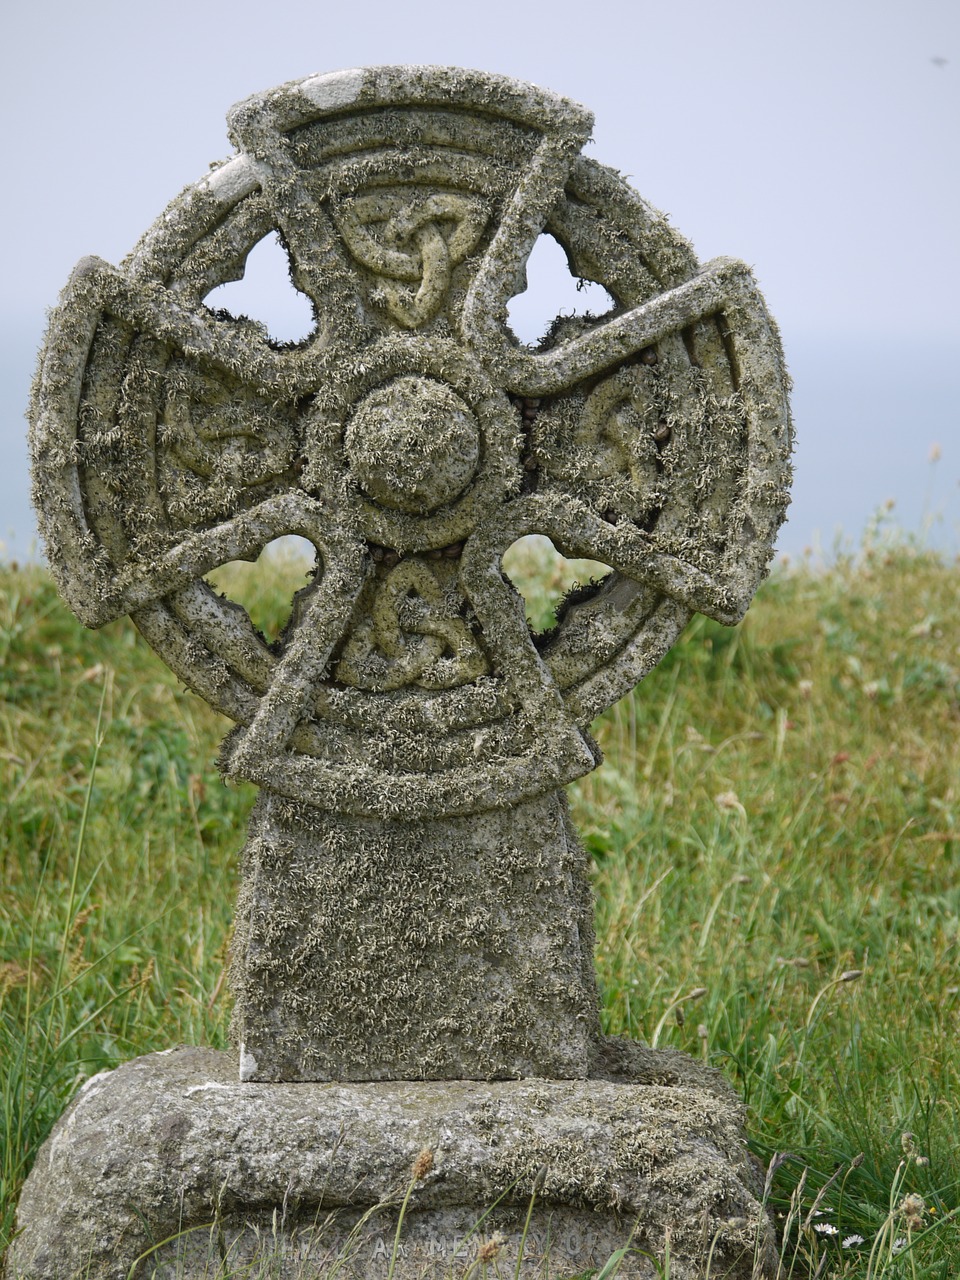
455, 949
169, 1144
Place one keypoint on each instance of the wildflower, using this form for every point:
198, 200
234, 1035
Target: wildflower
851, 1242
825, 1229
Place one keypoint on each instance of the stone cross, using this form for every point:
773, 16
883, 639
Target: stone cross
414, 901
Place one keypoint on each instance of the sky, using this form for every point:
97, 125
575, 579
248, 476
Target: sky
817, 141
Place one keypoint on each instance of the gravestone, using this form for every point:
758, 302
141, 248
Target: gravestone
415, 1004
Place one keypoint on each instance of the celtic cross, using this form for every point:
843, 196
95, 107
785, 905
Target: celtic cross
414, 900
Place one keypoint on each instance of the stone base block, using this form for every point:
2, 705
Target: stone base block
170, 1167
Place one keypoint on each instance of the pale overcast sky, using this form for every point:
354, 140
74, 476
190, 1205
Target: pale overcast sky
817, 140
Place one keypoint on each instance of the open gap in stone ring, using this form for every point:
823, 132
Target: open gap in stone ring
268, 588
267, 295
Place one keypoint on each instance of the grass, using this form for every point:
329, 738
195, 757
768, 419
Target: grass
776, 841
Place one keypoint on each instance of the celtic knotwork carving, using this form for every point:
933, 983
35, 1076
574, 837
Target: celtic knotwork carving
606, 442
412, 242
215, 440
169, 439
412, 635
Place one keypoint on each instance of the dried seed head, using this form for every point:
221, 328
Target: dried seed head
913, 1207
489, 1249
422, 1165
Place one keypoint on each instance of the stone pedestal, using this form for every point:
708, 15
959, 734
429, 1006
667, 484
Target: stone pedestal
455, 948
170, 1167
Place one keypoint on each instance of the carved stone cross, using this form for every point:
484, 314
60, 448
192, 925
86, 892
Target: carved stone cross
414, 901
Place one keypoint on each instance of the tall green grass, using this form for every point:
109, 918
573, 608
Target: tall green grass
776, 840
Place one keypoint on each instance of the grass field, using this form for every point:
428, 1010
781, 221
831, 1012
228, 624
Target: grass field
776, 842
